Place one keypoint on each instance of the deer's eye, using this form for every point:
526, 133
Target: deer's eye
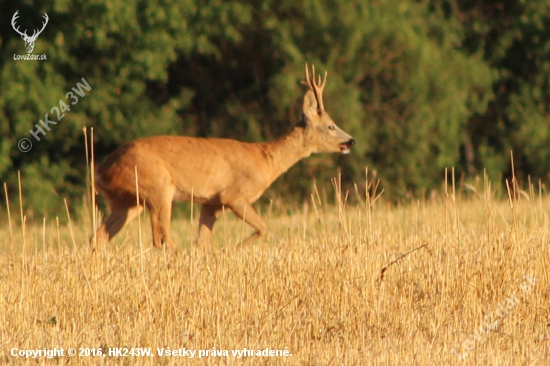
331, 127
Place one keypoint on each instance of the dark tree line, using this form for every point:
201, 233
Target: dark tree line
420, 85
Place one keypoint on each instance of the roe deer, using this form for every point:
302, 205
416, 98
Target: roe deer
214, 172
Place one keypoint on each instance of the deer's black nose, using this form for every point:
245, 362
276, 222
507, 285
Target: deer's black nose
351, 142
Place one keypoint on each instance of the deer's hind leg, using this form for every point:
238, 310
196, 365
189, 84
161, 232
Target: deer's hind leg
118, 218
160, 208
208, 217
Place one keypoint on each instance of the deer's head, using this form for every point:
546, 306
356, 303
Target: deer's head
29, 40
322, 134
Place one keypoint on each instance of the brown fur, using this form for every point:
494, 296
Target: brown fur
214, 172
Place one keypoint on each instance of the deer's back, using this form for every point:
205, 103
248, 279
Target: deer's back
209, 169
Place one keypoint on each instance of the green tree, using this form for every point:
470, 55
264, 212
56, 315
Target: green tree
514, 38
124, 51
400, 81
402, 86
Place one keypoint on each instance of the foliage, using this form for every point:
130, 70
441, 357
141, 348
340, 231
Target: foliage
420, 85
514, 38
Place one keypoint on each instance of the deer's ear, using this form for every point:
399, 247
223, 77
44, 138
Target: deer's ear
310, 107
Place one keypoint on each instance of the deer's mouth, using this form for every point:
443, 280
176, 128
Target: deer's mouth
346, 146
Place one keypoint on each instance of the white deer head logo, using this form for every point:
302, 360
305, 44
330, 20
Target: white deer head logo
29, 41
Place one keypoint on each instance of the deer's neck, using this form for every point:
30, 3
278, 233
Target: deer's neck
286, 151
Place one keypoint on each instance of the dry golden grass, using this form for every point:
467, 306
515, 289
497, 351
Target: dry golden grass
312, 287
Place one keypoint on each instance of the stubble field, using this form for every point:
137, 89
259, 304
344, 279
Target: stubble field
460, 279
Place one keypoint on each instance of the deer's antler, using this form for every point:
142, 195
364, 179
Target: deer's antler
13, 20
317, 87
43, 26
35, 34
